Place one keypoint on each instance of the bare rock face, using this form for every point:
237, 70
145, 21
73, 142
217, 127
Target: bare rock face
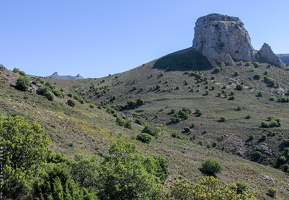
265, 54
223, 38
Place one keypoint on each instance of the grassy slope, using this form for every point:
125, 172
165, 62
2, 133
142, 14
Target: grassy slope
92, 130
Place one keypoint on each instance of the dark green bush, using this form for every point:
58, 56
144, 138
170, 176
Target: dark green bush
49, 95
222, 119
241, 187
211, 166
187, 129
257, 76
70, 102
23, 83
239, 87
144, 137
272, 192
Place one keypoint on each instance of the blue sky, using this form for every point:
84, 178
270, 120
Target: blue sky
100, 37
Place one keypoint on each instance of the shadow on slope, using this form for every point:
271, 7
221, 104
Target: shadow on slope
187, 59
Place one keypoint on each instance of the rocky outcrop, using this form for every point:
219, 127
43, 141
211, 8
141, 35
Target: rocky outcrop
223, 38
57, 76
265, 54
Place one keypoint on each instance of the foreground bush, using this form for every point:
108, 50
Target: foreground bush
212, 166
209, 189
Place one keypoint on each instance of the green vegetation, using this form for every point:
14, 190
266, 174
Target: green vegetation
209, 188
212, 166
23, 83
91, 125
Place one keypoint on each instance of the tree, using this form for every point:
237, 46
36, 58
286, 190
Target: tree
25, 147
23, 83
55, 183
211, 166
126, 174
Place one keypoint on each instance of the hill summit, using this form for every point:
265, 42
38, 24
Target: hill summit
223, 38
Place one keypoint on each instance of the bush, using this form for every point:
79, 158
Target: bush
49, 95
144, 137
241, 187
248, 117
239, 87
286, 142
70, 102
231, 98
187, 129
211, 166
222, 119
263, 137
256, 76
217, 70
251, 137
256, 155
272, 192
23, 83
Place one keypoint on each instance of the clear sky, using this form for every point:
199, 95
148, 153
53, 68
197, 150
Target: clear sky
95, 38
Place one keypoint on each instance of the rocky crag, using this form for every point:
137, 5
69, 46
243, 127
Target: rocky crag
68, 77
223, 38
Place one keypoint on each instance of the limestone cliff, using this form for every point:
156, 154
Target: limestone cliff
223, 38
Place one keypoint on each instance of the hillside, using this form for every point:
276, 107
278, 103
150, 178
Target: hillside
86, 128
166, 90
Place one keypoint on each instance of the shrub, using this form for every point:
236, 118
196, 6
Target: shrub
23, 83
139, 102
263, 137
282, 159
248, 117
231, 98
176, 135
217, 70
127, 124
256, 76
211, 166
70, 102
222, 119
120, 121
286, 168
49, 95
256, 155
175, 120
272, 99
241, 187
239, 87
272, 192
251, 137
144, 137
256, 64
16, 70
259, 94
286, 142
187, 129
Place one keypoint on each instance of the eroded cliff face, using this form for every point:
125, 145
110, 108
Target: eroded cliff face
223, 38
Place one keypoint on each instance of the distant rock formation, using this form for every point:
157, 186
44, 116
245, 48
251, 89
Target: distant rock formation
266, 54
68, 77
223, 38
284, 58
